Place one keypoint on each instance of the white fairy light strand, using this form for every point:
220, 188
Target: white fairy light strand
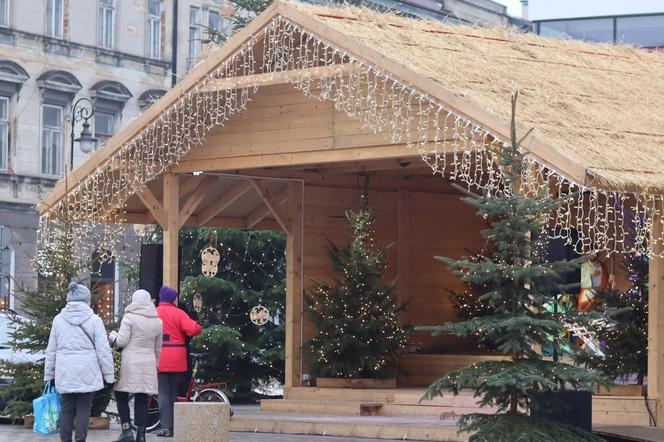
453, 145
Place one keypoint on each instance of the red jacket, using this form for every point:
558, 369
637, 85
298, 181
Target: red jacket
177, 325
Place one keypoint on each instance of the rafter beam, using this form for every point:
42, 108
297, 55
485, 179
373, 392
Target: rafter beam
222, 203
152, 204
282, 77
196, 199
260, 213
188, 184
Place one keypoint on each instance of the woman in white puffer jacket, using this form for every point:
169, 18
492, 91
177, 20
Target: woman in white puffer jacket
79, 359
139, 338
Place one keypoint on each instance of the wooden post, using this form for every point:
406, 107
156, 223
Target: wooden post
294, 287
656, 324
171, 204
403, 248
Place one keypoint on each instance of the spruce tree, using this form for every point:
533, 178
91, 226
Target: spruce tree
624, 338
357, 317
251, 272
519, 282
56, 266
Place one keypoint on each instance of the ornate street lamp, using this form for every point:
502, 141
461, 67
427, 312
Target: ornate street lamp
83, 110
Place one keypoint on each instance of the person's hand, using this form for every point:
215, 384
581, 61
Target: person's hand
113, 336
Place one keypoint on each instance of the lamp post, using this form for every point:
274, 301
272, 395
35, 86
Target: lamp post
82, 110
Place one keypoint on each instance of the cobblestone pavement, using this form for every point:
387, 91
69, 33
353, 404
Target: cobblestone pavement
10, 433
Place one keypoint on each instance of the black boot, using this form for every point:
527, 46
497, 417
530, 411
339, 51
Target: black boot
140, 434
126, 435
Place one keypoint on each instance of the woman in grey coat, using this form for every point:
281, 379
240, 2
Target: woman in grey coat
139, 338
79, 359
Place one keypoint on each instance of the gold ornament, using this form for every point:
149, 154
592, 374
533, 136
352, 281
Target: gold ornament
259, 315
209, 261
198, 302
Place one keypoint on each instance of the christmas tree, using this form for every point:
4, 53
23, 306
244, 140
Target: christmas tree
624, 338
250, 273
245, 12
357, 318
519, 283
56, 265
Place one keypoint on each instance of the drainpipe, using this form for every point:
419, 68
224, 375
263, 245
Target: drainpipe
174, 45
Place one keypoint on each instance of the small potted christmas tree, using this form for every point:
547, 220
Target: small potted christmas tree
357, 317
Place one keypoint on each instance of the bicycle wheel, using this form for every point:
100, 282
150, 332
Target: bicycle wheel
153, 413
212, 395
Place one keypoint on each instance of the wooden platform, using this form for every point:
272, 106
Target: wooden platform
396, 413
378, 427
630, 433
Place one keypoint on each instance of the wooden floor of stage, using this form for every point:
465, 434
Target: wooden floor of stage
630, 433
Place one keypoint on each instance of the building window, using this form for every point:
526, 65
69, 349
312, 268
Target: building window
104, 126
217, 27
594, 29
55, 17
154, 28
645, 31
52, 138
106, 23
4, 133
194, 34
4, 13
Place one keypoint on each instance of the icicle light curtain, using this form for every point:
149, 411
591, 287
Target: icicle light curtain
455, 146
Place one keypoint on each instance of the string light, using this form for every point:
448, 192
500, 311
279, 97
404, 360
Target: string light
453, 145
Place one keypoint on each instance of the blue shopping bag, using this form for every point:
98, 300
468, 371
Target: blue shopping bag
46, 409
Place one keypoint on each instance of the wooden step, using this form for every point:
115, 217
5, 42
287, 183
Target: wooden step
359, 408
350, 408
402, 396
377, 427
621, 410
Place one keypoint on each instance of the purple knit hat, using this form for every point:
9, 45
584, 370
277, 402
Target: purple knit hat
167, 294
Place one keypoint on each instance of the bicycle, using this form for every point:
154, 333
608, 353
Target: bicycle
196, 392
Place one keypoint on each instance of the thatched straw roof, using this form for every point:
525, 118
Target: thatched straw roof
600, 105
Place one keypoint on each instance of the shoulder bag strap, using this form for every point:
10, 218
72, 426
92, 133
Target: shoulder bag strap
87, 335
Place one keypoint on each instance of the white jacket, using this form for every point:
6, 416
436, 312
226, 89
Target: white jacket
76, 364
139, 338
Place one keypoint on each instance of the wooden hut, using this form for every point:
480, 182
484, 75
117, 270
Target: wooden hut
272, 130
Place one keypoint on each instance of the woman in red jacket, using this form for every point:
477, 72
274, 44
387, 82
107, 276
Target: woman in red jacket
173, 357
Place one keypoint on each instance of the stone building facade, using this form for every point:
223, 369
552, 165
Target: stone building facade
118, 53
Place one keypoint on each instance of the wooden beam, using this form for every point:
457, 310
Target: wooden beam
271, 202
195, 199
152, 204
222, 203
262, 211
219, 221
272, 78
188, 184
171, 229
291, 159
294, 286
656, 321
403, 248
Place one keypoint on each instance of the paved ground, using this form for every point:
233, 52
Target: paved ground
10, 433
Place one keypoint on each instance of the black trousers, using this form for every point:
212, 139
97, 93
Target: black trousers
140, 408
168, 394
75, 405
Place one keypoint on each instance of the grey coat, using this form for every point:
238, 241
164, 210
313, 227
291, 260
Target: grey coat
139, 338
79, 362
